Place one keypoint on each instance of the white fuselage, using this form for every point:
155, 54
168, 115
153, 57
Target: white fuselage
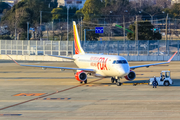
105, 65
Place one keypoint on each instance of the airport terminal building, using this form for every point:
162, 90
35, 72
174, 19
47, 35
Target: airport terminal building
72, 3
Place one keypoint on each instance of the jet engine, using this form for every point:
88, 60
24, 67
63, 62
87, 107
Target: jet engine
81, 76
131, 76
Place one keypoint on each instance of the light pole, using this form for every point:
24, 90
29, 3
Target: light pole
40, 23
166, 26
67, 22
124, 25
61, 34
15, 23
53, 28
47, 28
148, 14
85, 30
136, 37
152, 15
124, 32
27, 30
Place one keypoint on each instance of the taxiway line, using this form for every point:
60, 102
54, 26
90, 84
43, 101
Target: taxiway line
48, 94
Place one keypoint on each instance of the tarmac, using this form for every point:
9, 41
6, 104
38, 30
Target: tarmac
32, 93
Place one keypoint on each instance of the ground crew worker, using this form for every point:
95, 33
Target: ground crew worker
154, 82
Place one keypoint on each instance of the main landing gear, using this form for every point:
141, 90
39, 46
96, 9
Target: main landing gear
85, 82
113, 80
116, 80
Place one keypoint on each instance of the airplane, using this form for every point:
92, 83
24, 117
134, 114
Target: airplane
98, 65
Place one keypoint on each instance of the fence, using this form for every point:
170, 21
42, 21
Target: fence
132, 50
17, 47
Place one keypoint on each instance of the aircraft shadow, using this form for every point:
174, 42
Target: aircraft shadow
176, 82
137, 81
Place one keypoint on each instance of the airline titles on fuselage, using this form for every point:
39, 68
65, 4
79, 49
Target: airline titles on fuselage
99, 62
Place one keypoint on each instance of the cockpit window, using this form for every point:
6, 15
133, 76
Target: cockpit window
114, 62
119, 62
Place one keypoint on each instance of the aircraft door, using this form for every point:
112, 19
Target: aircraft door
108, 64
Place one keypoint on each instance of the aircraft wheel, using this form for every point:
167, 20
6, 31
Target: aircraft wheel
112, 80
85, 82
166, 83
81, 82
118, 84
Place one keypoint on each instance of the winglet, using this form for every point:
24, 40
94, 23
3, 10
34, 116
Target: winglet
13, 60
172, 57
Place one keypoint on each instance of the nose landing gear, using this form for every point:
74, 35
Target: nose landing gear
118, 83
113, 80
116, 80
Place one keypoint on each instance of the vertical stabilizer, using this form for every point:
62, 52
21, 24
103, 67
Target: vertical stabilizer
77, 43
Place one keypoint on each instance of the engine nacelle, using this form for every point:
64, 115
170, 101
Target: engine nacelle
81, 76
131, 76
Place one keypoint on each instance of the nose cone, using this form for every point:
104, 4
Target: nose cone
124, 70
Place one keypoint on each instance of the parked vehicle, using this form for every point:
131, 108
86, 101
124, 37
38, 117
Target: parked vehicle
164, 79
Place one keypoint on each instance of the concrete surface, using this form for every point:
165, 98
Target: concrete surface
98, 100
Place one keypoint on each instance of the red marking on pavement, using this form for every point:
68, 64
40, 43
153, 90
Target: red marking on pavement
29, 94
56, 98
47, 95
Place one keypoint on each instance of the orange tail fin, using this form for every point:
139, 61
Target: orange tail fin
78, 48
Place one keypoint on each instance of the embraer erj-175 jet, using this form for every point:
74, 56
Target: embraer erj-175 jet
98, 65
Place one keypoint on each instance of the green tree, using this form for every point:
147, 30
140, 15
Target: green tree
27, 11
116, 8
79, 14
91, 9
174, 10
4, 6
61, 13
145, 31
107, 3
5, 37
90, 35
58, 13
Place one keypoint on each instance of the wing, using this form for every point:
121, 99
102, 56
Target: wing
53, 67
148, 65
62, 57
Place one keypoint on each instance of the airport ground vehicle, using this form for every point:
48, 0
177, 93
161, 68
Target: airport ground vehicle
164, 79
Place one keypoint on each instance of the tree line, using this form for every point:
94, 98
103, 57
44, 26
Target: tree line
29, 11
